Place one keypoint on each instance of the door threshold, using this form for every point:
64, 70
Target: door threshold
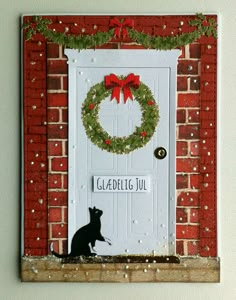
123, 259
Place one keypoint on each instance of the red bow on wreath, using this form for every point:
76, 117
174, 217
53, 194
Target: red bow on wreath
113, 82
120, 26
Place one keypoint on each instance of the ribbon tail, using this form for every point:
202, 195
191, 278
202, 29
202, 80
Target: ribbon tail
127, 94
116, 94
117, 32
125, 32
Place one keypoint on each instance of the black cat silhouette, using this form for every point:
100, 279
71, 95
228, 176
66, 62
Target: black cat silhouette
84, 236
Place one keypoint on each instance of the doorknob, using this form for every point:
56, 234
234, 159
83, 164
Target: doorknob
160, 152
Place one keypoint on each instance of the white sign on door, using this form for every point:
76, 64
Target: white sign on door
136, 222
121, 184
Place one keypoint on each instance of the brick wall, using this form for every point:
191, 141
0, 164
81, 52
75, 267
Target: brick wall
195, 131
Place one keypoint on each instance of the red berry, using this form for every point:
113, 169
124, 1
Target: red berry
91, 106
205, 23
150, 102
143, 133
107, 142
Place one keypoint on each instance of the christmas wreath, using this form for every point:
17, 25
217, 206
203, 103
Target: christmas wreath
131, 87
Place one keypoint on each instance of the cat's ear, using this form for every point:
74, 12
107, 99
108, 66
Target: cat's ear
90, 209
94, 208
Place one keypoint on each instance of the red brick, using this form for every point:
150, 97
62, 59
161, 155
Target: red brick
55, 148
209, 59
187, 232
59, 198
187, 165
208, 77
35, 245
40, 224
35, 252
52, 50
188, 199
37, 187
195, 83
195, 50
97, 20
187, 67
195, 180
182, 148
181, 181
37, 121
35, 66
35, 83
188, 132
32, 138
54, 214
54, 83
194, 215
65, 115
207, 133
36, 215
180, 247
36, 112
208, 247
181, 215
54, 181
194, 148
193, 248
182, 83
66, 147
36, 155
57, 99
59, 164
65, 181
36, 177
181, 115
34, 103
57, 66
35, 233
59, 230
193, 116
209, 68
36, 56
38, 129
35, 166
65, 214
188, 100
57, 131
208, 226
65, 83
53, 115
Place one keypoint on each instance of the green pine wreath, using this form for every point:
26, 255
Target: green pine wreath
119, 145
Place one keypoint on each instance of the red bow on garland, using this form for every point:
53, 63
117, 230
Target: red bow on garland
120, 26
113, 82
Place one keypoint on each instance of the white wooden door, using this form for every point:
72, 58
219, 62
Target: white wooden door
136, 223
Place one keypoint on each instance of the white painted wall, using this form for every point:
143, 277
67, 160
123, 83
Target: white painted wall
11, 287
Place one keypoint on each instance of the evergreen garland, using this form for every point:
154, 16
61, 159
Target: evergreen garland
204, 27
119, 145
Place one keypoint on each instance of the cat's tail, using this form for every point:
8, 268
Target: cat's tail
57, 254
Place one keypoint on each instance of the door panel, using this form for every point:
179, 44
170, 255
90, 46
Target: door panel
137, 223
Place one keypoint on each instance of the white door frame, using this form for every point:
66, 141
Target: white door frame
161, 59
